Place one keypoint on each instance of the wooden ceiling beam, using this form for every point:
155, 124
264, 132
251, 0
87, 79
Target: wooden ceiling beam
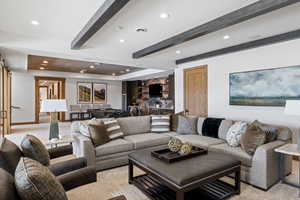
248, 12
100, 18
245, 46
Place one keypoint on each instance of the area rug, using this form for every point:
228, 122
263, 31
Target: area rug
114, 182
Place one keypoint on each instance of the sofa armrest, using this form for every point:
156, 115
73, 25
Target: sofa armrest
265, 165
83, 147
67, 166
78, 178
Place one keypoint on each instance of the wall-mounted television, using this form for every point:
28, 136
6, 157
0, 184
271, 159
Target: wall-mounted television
155, 90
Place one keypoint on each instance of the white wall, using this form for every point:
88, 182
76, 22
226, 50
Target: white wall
23, 94
273, 56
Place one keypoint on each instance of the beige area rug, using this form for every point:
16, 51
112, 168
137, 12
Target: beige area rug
114, 182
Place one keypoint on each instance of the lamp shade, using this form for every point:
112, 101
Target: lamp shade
292, 107
54, 105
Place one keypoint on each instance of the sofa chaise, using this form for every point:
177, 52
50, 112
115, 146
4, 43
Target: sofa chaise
259, 170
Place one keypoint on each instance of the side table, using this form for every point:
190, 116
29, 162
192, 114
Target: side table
291, 150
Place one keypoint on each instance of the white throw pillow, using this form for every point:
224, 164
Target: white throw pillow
235, 132
160, 123
84, 129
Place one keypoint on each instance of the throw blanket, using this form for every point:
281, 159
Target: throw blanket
211, 126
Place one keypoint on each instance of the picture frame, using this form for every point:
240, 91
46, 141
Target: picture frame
99, 93
84, 92
266, 87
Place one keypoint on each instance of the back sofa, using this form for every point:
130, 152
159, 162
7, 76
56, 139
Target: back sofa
260, 170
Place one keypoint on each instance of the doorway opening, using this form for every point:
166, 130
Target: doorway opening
48, 88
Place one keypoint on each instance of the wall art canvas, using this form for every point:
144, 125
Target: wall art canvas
271, 87
84, 92
99, 92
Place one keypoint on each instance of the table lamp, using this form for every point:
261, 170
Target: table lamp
54, 106
292, 107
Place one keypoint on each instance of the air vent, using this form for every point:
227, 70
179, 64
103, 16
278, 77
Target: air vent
141, 30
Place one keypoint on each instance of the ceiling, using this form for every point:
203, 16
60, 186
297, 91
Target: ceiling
77, 66
60, 21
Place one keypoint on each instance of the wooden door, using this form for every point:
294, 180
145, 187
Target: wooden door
195, 87
5, 100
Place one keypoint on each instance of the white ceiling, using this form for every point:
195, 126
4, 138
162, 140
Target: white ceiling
61, 20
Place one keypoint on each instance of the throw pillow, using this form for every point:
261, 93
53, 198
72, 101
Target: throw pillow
35, 181
270, 131
235, 132
98, 134
160, 123
200, 125
253, 138
211, 126
10, 155
33, 148
113, 129
223, 129
174, 120
84, 129
187, 125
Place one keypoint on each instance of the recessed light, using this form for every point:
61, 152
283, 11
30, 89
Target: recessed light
92, 66
113, 74
42, 68
164, 15
122, 40
178, 52
45, 62
127, 70
226, 37
35, 23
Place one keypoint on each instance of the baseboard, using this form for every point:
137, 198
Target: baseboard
22, 123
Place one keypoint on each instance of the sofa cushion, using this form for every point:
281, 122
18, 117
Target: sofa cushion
10, 155
7, 186
33, 148
171, 134
35, 181
114, 146
270, 130
135, 125
200, 125
160, 123
224, 127
187, 125
236, 152
146, 140
113, 129
200, 141
98, 134
252, 138
211, 126
174, 121
235, 133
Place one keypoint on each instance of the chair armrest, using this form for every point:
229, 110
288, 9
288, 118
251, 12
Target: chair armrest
67, 166
265, 165
60, 151
78, 178
83, 147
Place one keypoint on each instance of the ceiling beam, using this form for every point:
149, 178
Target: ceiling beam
253, 10
245, 46
99, 19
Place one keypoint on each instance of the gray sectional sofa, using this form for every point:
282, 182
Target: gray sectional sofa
260, 170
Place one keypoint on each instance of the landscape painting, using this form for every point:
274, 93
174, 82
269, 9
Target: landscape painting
99, 92
84, 92
270, 87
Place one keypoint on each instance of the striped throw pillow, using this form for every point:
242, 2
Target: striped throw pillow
113, 129
160, 123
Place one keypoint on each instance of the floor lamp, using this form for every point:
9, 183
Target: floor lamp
292, 107
54, 106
